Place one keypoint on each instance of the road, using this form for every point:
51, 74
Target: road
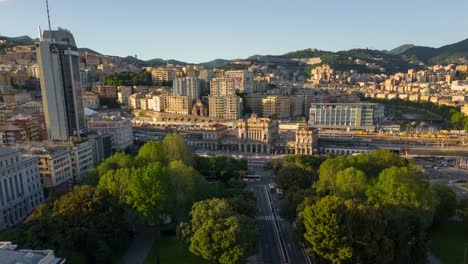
277, 244
440, 170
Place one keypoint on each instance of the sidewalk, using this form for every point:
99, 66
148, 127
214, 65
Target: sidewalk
141, 245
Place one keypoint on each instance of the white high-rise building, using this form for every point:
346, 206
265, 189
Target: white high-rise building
243, 80
187, 86
20, 186
58, 60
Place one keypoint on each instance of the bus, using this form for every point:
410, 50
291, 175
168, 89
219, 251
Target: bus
251, 178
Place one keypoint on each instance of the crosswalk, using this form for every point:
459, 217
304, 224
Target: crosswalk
268, 218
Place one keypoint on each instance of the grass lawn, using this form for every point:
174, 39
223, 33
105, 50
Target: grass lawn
171, 251
448, 242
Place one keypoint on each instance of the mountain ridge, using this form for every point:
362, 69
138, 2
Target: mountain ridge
400, 58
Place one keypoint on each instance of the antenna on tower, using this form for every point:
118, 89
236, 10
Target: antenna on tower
48, 15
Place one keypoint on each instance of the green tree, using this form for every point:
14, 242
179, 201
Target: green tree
116, 183
149, 191
327, 229
447, 203
227, 240
85, 218
176, 148
351, 183
293, 176
150, 152
187, 184
209, 209
400, 187
327, 174
369, 241
242, 201
116, 161
91, 177
291, 200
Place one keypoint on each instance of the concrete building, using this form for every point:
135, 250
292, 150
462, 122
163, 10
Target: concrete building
163, 74
243, 80
276, 106
55, 168
253, 101
123, 93
12, 100
225, 107
10, 255
187, 86
20, 187
256, 135
90, 100
102, 146
107, 92
464, 109
306, 141
5, 80
81, 154
134, 101
119, 128
11, 134
58, 59
342, 115
222, 87
177, 104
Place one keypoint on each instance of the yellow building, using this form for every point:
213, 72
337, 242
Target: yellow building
163, 74
253, 101
464, 109
178, 104
306, 140
222, 87
224, 107
256, 135
278, 106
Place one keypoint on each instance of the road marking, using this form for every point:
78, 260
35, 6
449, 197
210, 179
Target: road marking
283, 251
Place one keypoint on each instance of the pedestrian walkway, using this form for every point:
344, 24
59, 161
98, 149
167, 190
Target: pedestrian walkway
269, 218
141, 245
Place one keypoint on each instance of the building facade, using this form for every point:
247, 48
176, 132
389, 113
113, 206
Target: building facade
123, 93
342, 115
177, 104
20, 187
58, 60
222, 87
225, 107
276, 106
256, 135
119, 128
187, 86
243, 80
90, 100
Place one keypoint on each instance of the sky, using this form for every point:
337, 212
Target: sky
203, 30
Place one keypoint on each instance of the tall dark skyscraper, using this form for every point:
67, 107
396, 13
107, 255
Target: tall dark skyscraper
58, 59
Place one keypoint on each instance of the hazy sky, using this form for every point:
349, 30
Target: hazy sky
202, 30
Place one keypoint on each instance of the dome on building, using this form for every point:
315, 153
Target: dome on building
427, 90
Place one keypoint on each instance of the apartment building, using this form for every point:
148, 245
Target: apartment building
90, 100
177, 104
123, 93
20, 187
243, 80
225, 107
222, 87
108, 92
276, 106
187, 86
119, 128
